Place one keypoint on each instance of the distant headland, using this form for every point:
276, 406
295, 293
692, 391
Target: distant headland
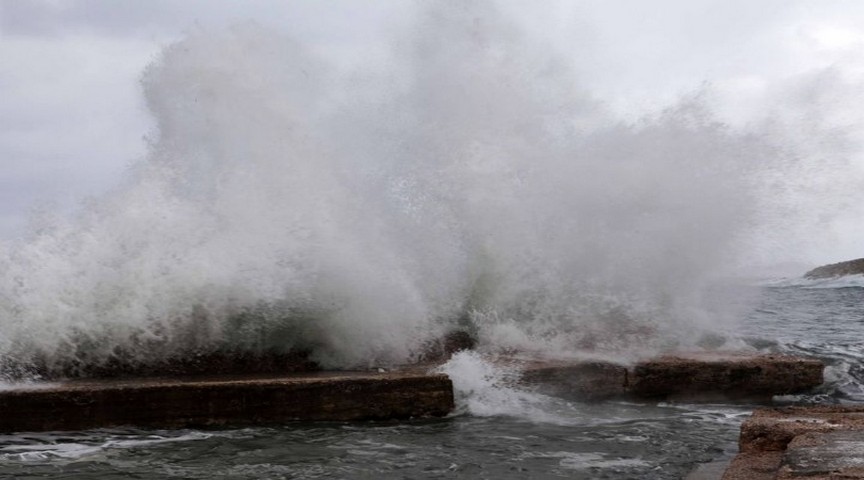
851, 267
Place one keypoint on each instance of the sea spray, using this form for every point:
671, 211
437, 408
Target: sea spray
483, 388
473, 185
493, 386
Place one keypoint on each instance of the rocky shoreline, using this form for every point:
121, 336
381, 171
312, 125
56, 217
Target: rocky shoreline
841, 269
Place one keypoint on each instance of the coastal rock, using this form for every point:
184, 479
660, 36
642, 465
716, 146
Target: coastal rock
852, 267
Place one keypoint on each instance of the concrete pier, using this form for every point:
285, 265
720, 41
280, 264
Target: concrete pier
407, 392
693, 376
712, 376
234, 400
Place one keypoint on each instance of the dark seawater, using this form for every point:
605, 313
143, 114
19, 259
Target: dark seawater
824, 321
550, 438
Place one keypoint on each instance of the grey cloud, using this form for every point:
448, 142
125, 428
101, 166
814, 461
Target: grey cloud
336, 18
45, 18
623, 49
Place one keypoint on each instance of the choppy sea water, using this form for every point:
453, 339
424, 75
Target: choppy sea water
498, 432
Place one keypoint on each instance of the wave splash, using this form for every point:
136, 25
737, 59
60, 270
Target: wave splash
472, 185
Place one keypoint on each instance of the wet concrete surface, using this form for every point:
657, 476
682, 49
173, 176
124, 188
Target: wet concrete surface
816, 443
689, 376
837, 454
405, 392
228, 399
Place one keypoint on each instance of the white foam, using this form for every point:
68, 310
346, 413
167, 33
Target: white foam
484, 389
26, 385
589, 460
847, 281
48, 448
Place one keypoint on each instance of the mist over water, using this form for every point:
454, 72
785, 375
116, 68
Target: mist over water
471, 184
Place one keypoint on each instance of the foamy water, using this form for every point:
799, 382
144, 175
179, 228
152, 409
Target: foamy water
37, 448
848, 281
483, 388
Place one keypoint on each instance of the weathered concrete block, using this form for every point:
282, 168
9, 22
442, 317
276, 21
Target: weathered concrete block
821, 442
711, 376
690, 376
824, 456
771, 429
175, 403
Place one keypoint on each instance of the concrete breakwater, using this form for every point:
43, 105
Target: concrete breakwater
691, 376
407, 392
226, 400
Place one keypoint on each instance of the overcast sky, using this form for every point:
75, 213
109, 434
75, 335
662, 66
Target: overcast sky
72, 115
